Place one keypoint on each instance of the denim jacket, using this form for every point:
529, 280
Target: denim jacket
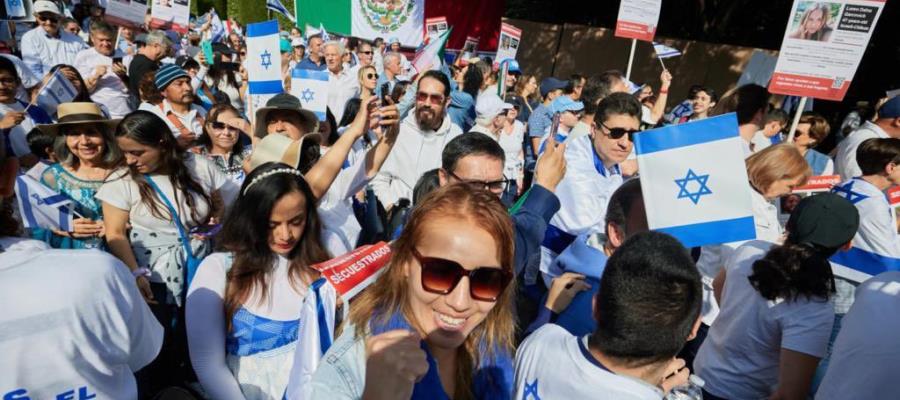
342, 371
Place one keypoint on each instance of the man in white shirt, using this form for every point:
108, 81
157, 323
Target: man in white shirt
184, 118
640, 329
420, 143
104, 78
749, 102
46, 45
773, 124
342, 85
887, 125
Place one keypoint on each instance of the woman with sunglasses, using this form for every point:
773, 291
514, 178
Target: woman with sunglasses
224, 140
244, 305
368, 78
438, 323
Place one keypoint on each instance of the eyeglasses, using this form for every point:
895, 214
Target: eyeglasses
435, 99
441, 276
47, 17
372, 76
369, 53
617, 133
220, 126
492, 186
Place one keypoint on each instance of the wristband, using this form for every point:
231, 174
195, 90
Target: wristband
141, 272
663, 91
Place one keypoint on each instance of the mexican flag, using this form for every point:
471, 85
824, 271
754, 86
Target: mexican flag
367, 19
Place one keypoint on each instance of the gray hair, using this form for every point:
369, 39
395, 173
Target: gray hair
157, 36
111, 152
336, 44
390, 56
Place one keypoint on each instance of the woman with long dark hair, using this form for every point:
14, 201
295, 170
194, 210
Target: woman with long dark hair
257, 284
776, 305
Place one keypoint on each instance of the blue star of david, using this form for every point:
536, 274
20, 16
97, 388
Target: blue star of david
531, 389
847, 192
15, 3
701, 191
266, 59
307, 95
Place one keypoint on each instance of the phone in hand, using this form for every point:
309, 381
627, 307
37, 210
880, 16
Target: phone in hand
385, 93
206, 230
117, 60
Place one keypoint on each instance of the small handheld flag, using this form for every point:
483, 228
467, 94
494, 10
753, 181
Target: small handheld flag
58, 90
275, 5
42, 207
311, 87
325, 36
431, 55
263, 62
663, 51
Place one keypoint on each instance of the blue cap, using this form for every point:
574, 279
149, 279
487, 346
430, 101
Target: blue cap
890, 109
392, 40
168, 73
550, 84
513, 66
565, 103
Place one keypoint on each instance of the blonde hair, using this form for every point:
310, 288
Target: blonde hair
782, 161
390, 293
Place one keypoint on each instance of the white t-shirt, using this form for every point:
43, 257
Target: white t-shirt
739, 358
554, 364
340, 228
512, 147
866, 354
122, 192
74, 326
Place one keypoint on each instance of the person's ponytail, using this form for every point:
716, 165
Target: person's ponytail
789, 271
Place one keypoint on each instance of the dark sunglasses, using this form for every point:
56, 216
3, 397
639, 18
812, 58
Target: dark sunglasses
366, 52
617, 133
493, 186
441, 276
435, 99
51, 18
221, 125
371, 76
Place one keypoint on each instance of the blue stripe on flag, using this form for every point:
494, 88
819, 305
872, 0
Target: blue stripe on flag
262, 28
556, 239
67, 86
56, 98
64, 219
28, 213
51, 200
722, 231
324, 331
320, 115
866, 261
687, 134
264, 87
301, 73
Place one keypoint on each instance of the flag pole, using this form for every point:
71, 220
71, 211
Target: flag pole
800, 106
660, 61
630, 59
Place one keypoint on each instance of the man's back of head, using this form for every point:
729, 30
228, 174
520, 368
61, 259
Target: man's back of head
748, 101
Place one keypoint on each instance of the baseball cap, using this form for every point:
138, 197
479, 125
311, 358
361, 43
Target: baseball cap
490, 105
168, 73
826, 220
42, 6
890, 109
298, 42
550, 84
513, 66
565, 103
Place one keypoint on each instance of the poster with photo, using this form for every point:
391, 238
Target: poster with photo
470, 47
510, 36
126, 12
815, 184
637, 19
822, 47
170, 14
434, 27
16, 10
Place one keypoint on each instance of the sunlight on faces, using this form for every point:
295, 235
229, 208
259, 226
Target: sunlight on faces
446, 320
369, 78
287, 222
49, 22
144, 159
333, 58
782, 187
179, 91
226, 137
475, 168
430, 115
568, 119
85, 142
701, 103
614, 151
283, 122
103, 42
315, 46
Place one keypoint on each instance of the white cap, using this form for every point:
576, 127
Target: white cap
42, 6
490, 105
297, 42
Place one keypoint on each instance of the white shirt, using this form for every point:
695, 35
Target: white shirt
760, 141
340, 228
193, 120
512, 147
740, 356
41, 52
74, 326
342, 86
845, 159
713, 257
553, 364
877, 233
18, 135
109, 90
866, 354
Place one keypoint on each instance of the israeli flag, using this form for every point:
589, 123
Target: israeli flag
42, 207
311, 87
325, 37
875, 246
694, 181
15, 8
276, 6
663, 51
317, 331
58, 90
216, 28
263, 61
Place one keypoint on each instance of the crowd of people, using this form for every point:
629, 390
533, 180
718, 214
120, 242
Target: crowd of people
521, 265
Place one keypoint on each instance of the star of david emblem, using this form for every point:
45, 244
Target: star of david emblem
531, 390
15, 3
266, 59
307, 95
685, 192
847, 192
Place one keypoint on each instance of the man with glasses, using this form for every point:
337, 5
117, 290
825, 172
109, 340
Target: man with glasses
156, 46
423, 136
592, 175
46, 45
364, 53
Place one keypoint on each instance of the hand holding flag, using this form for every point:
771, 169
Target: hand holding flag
56, 91
42, 207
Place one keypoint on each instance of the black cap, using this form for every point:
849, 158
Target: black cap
222, 48
826, 220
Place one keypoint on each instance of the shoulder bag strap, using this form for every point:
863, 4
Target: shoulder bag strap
185, 239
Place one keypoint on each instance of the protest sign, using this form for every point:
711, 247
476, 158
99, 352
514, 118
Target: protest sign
354, 271
128, 13
16, 9
170, 14
311, 87
822, 47
698, 200
510, 36
470, 48
434, 27
637, 19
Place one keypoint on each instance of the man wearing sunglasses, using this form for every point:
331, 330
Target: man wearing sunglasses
46, 45
364, 54
592, 175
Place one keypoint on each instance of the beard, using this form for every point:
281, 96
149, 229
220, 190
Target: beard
429, 118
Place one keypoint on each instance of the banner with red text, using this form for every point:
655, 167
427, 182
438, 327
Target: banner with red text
637, 19
356, 270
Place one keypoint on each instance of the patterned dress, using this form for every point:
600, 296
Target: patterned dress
82, 192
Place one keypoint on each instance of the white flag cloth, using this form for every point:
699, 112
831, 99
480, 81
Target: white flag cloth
316, 333
263, 62
42, 207
663, 51
701, 199
216, 28
875, 247
325, 36
15, 8
311, 87
276, 6
58, 90
429, 56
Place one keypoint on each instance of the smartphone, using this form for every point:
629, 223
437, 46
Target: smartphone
206, 46
117, 60
385, 93
206, 230
554, 125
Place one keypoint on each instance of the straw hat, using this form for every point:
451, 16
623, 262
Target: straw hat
80, 113
280, 148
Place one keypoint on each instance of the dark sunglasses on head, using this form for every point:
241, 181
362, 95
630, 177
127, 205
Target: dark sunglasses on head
617, 133
372, 76
441, 276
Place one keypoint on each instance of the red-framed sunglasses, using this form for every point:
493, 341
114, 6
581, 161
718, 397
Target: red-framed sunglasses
441, 276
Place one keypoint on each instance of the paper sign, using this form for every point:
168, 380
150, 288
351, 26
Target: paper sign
815, 184
510, 36
434, 27
822, 47
354, 271
170, 14
128, 13
637, 19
